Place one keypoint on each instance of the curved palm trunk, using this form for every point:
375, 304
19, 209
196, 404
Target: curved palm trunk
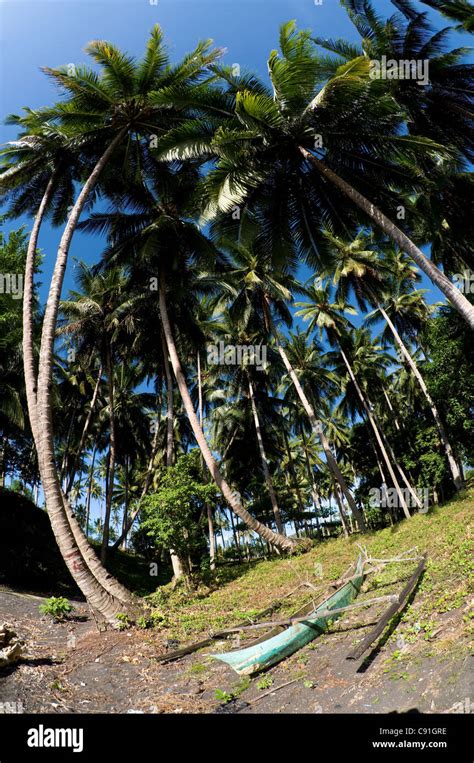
264, 460
29, 366
331, 461
111, 585
452, 294
111, 462
280, 541
85, 431
457, 478
377, 434
98, 597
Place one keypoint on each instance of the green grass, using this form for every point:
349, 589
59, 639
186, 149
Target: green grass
443, 533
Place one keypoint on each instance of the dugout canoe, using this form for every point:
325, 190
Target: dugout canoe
261, 656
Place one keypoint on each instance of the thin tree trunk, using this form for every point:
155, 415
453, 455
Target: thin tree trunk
29, 365
452, 294
377, 434
234, 533
146, 486
66, 446
169, 405
392, 455
294, 477
331, 461
417, 374
89, 489
391, 409
264, 460
341, 510
42, 421
314, 491
280, 541
210, 520
112, 456
85, 431
123, 544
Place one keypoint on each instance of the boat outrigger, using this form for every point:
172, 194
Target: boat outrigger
261, 656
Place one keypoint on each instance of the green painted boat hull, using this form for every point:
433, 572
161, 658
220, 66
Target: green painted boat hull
261, 656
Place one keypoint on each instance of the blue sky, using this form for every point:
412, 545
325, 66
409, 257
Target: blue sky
34, 33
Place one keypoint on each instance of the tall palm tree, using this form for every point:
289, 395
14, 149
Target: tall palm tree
325, 133
328, 317
405, 313
101, 112
161, 223
259, 287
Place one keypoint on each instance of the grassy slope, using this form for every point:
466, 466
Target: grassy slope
443, 533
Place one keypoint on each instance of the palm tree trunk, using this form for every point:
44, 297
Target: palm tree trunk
235, 535
85, 431
264, 460
89, 489
452, 294
29, 365
112, 456
208, 507
341, 510
314, 492
42, 422
146, 486
331, 461
391, 409
280, 541
294, 477
377, 434
67, 444
458, 482
169, 405
395, 461
123, 544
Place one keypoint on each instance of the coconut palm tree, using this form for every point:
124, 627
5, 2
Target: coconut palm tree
258, 282
440, 108
325, 133
405, 313
101, 112
159, 225
328, 317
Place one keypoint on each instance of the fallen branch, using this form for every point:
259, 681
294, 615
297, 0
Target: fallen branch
272, 690
396, 607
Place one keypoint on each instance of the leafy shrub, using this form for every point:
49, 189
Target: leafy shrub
57, 606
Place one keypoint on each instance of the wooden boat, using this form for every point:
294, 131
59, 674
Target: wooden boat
262, 655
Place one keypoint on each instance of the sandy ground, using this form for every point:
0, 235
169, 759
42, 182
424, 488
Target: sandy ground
73, 667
